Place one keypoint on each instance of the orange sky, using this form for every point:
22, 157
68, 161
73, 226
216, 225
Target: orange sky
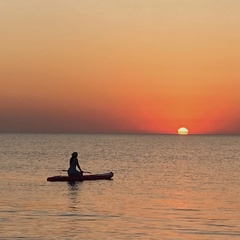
120, 66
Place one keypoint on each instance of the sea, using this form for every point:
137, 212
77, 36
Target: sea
166, 187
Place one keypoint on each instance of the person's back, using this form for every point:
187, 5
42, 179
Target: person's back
73, 163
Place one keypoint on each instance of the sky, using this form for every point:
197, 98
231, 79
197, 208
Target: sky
116, 66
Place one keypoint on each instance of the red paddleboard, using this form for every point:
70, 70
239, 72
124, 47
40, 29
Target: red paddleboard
100, 176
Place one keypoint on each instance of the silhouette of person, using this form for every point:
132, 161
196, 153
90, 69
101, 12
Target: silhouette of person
74, 164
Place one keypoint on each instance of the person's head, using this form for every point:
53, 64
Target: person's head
74, 154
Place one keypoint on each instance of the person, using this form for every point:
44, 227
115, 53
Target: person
74, 164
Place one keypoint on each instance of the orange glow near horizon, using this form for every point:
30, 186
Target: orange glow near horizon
146, 67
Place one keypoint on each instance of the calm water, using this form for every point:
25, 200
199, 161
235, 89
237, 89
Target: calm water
165, 187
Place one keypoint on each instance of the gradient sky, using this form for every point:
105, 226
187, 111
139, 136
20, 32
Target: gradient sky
120, 66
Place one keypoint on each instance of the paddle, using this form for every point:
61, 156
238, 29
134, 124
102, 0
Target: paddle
67, 170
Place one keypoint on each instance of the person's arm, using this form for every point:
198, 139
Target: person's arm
79, 166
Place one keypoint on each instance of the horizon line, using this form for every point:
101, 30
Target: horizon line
122, 133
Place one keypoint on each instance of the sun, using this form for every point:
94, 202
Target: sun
182, 131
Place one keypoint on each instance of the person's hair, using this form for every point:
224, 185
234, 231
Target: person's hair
74, 154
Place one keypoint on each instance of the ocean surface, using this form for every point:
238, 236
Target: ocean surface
164, 187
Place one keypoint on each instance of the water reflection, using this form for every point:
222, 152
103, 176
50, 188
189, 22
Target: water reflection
73, 193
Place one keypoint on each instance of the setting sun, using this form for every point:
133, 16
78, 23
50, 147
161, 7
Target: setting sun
182, 131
